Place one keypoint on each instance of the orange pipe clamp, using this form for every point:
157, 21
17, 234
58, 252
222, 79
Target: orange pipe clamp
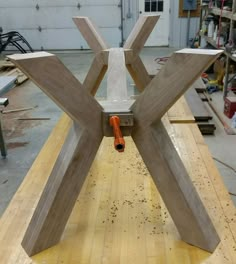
119, 142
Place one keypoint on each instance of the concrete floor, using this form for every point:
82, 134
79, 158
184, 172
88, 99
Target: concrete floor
26, 138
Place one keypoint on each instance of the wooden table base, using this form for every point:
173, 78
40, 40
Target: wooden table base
90, 125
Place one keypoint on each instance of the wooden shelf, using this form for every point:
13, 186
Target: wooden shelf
211, 41
225, 13
231, 56
231, 16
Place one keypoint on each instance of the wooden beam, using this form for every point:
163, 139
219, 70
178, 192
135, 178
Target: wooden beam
140, 33
90, 33
139, 73
175, 186
176, 76
49, 74
95, 74
61, 191
116, 76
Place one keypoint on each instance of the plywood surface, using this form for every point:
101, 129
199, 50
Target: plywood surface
119, 216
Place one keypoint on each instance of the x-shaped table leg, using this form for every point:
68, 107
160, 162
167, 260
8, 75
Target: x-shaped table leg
159, 153
77, 154
87, 131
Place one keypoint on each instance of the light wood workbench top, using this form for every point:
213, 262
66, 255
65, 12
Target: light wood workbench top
119, 216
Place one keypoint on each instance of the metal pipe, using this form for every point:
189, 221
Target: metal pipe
119, 142
3, 148
129, 15
122, 23
188, 28
226, 81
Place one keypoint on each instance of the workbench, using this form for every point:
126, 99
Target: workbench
119, 216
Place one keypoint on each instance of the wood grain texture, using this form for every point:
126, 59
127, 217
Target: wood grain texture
90, 33
95, 74
61, 191
176, 76
176, 189
49, 74
197, 106
140, 33
180, 112
165, 165
119, 185
116, 76
139, 73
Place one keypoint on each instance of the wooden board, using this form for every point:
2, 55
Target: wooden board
95, 74
119, 216
196, 105
140, 33
199, 84
55, 80
4, 64
172, 82
180, 112
206, 128
6, 83
91, 34
175, 186
59, 195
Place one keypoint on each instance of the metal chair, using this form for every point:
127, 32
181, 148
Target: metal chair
13, 38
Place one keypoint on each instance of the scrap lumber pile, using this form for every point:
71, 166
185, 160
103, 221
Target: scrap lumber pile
7, 68
198, 108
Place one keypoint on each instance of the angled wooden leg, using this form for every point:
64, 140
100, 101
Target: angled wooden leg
61, 191
90, 33
53, 78
139, 74
135, 42
140, 33
77, 154
95, 73
116, 76
175, 187
176, 76
158, 152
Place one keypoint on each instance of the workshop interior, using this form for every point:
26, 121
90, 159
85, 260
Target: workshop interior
118, 131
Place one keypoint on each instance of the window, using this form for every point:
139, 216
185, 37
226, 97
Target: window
154, 5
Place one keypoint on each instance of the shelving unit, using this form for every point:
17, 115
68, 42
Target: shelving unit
226, 14
231, 16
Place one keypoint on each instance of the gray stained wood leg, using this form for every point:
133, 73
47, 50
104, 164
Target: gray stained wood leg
61, 191
175, 186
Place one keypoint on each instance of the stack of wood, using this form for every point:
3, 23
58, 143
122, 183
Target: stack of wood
200, 112
7, 68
